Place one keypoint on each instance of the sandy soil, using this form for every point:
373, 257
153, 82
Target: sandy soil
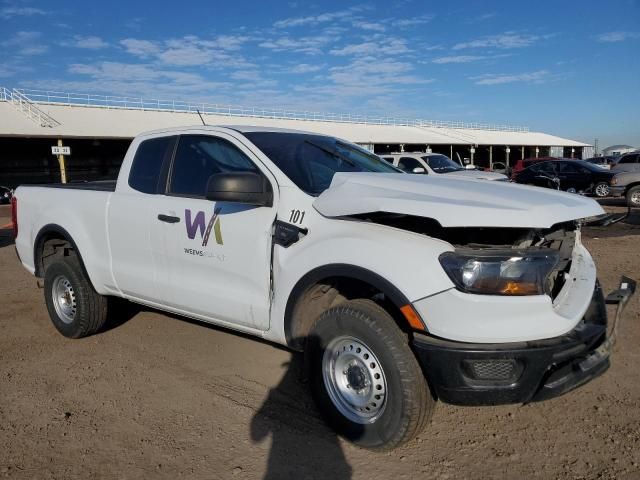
163, 397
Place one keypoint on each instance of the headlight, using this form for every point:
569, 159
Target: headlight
500, 272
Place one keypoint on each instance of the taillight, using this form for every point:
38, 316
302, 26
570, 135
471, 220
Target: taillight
14, 215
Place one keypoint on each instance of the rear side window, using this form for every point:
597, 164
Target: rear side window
147, 164
200, 156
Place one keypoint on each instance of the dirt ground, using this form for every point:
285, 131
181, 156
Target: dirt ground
161, 397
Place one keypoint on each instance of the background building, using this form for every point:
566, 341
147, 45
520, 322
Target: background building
99, 128
615, 150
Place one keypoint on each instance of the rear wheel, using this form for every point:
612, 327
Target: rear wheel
75, 308
365, 379
633, 197
601, 189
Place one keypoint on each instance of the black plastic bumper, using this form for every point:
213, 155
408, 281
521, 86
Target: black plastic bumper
493, 374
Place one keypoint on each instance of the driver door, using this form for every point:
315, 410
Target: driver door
217, 262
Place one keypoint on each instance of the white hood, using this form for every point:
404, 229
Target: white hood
453, 202
482, 175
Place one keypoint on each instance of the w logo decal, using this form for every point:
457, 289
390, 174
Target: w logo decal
197, 224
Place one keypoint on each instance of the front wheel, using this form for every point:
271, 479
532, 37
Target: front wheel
365, 379
601, 189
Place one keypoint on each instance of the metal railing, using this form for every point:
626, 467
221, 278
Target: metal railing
138, 103
27, 106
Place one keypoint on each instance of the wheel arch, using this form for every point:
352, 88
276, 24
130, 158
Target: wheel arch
54, 231
296, 328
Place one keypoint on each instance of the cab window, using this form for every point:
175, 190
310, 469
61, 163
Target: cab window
200, 156
146, 169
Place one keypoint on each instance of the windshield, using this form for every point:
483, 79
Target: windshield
310, 161
587, 165
441, 164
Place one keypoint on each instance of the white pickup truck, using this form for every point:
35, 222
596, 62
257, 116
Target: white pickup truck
400, 289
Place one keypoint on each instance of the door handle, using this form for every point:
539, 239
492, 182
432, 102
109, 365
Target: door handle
168, 218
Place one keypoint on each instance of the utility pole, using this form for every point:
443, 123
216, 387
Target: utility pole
596, 152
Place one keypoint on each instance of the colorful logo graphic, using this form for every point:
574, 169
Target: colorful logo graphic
198, 224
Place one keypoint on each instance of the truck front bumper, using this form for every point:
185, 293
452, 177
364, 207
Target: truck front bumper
492, 374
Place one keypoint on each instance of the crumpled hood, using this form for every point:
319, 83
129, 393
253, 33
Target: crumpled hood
453, 202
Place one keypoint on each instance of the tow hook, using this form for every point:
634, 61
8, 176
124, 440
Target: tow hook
619, 297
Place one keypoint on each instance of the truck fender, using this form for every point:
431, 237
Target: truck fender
340, 270
53, 230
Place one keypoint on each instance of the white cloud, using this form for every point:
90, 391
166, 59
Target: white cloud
412, 22
148, 80
26, 43
315, 19
14, 11
466, 58
310, 45
371, 26
191, 50
140, 48
305, 68
505, 40
386, 46
372, 75
458, 59
482, 18
539, 76
613, 37
89, 43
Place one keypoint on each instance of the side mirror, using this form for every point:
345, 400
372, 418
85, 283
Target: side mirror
419, 170
245, 187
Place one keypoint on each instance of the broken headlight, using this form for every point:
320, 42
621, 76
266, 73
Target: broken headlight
500, 272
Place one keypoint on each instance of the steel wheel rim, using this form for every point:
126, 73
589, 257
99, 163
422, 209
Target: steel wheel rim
354, 379
602, 190
64, 299
635, 198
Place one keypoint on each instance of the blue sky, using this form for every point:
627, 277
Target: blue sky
570, 68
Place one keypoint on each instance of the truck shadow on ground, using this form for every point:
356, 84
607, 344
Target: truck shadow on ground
302, 446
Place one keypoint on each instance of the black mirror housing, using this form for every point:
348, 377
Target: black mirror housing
243, 187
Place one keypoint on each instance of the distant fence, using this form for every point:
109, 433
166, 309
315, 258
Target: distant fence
134, 103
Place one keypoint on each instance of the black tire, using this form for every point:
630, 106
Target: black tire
90, 307
633, 196
601, 189
408, 403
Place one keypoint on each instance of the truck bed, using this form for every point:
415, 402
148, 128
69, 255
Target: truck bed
99, 185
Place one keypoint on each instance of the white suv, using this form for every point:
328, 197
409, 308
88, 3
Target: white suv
436, 163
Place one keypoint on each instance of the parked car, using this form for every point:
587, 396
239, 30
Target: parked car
520, 165
436, 163
603, 162
500, 167
627, 184
629, 162
5, 195
575, 176
401, 289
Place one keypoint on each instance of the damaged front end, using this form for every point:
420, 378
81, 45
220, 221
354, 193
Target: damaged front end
497, 260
